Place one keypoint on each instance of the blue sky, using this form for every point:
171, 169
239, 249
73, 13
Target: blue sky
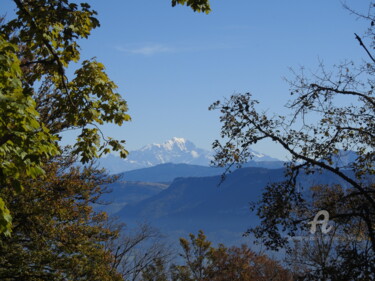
170, 63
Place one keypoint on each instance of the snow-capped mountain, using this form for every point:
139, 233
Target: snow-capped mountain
175, 150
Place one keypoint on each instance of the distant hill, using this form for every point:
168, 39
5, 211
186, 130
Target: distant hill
166, 173
122, 193
194, 203
201, 197
190, 204
175, 150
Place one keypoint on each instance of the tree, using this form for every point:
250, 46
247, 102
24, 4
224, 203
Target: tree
36, 48
38, 101
204, 262
138, 251
24, 142
332, 117
195, 255
156, 271
56, 233
344, 253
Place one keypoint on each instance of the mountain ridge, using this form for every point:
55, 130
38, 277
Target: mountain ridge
176, 150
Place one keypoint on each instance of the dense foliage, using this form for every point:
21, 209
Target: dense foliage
56, 235
204, 262
38, 100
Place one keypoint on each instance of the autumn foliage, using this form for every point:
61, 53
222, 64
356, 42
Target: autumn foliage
56, 233
203, 262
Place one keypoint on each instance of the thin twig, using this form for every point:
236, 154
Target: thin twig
364, 47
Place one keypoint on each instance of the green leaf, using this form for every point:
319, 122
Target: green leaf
5, 219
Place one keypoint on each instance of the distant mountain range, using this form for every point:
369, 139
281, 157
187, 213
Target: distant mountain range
181, 198
131, 187
192, 203
175, 150
172, 187
202, 197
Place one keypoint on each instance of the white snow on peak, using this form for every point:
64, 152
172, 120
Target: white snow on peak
178, 140
257, 154
169, 145
149, 146
175, 142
